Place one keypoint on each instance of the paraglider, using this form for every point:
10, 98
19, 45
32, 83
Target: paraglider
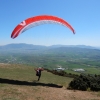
37, 20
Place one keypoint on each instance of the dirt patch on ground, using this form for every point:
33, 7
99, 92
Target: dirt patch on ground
17, 92
49, 93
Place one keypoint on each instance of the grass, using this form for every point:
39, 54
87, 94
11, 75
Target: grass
93, 70
14, 77
27, 73
19, 82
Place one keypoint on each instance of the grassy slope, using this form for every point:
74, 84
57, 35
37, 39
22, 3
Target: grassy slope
27, 73
19, 83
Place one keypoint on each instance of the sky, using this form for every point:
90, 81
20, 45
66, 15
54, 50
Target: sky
82, 15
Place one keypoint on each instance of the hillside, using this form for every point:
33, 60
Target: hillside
71, 57
18, 82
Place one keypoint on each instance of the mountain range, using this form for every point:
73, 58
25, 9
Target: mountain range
49, 55
31, 46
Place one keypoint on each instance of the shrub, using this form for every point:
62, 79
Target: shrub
83, 82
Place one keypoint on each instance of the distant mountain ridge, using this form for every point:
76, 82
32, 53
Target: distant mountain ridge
80, 46
31, 46
21, 46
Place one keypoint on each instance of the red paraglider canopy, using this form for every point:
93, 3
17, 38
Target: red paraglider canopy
37, 20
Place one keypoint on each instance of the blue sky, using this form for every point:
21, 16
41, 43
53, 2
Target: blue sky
83, 15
